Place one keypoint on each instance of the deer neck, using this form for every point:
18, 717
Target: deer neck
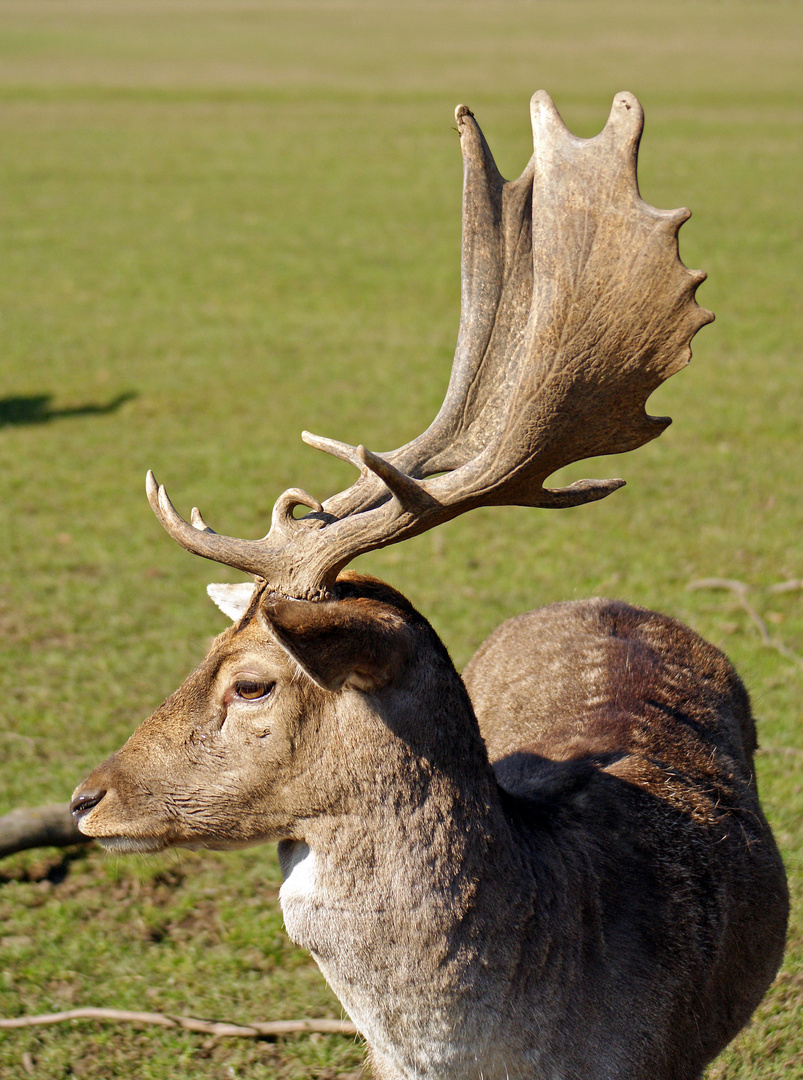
397, 898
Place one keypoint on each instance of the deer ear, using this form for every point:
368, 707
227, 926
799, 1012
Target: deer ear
233, 600
357, 643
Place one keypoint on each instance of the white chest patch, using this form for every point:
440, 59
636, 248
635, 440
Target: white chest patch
300, 876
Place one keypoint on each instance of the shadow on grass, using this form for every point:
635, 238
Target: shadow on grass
36, 409
49, 866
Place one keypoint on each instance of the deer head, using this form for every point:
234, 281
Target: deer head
575, 307
280, 725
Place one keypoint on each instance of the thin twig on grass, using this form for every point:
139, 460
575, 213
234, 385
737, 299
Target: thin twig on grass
740, 590
220, 1029
781, 751
793, 585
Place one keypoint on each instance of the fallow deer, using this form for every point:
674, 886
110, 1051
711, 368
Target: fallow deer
558, 869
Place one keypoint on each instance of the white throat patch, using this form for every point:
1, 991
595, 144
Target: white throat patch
300, 875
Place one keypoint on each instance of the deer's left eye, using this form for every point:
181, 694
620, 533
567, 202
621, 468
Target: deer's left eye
252, 689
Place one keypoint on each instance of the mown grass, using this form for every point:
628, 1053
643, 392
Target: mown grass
225, 222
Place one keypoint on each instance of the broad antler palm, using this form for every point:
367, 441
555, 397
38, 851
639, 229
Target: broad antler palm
575, 307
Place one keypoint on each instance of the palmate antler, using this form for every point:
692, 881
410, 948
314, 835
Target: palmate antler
575, 307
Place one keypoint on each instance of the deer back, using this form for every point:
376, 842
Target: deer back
628, 741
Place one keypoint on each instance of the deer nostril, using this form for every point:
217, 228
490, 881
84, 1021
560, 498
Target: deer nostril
82, 804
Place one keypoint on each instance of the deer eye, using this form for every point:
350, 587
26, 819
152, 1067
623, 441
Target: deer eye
252, 689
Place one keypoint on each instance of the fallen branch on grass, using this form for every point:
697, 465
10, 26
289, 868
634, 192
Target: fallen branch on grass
40, 826
189, 1023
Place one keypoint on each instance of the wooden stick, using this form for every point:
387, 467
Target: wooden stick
189, 1023
39, 826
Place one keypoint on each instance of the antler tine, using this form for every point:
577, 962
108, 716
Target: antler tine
411, 494
575, 306
197, 521
199, 540
407, 490
334, 448
257, 557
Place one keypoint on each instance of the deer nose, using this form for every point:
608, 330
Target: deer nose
82, 804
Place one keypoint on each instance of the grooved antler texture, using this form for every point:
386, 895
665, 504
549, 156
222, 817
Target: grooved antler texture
575, 307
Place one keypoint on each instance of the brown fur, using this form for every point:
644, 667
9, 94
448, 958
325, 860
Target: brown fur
597, 894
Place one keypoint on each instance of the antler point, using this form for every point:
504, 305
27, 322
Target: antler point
542, 97
197, 521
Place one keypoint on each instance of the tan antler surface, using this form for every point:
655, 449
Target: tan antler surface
575, 307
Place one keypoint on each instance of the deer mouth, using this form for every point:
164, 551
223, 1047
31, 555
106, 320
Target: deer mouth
89, 802
129, 845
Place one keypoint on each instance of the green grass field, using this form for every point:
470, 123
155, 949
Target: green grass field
224, 221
